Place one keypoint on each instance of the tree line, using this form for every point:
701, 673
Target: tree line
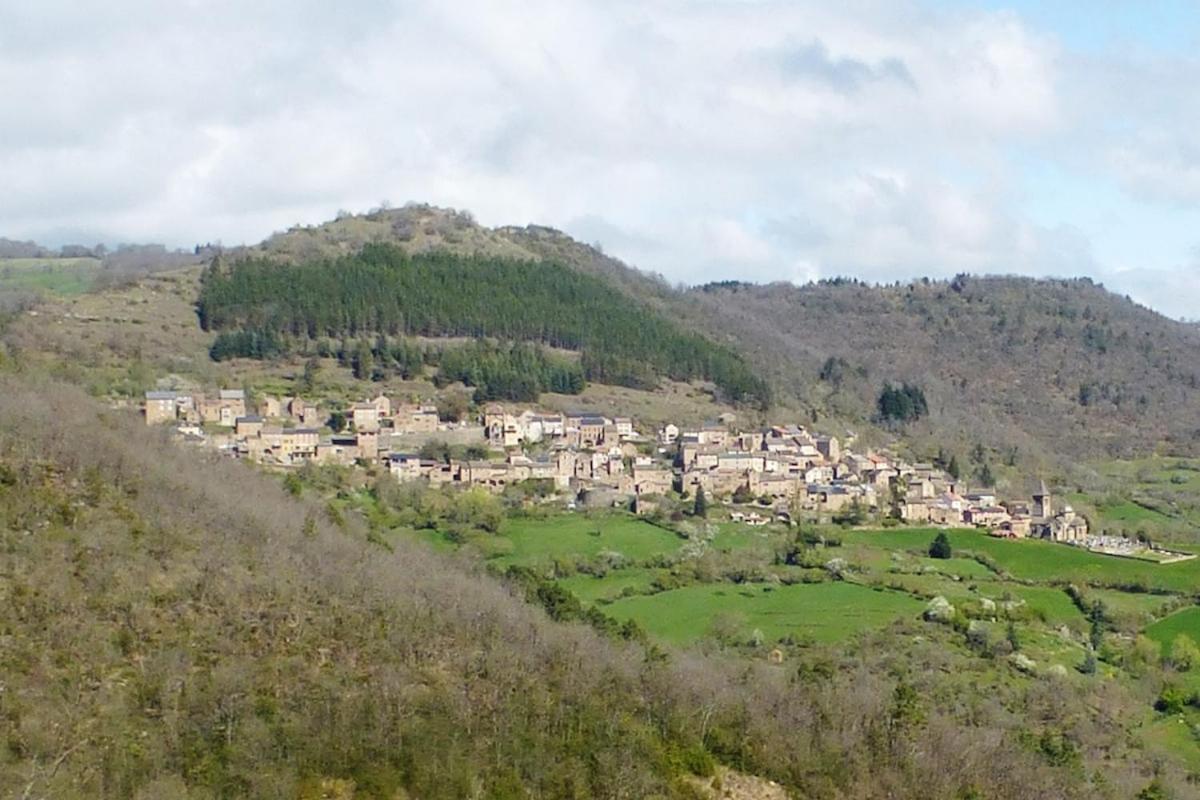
517, 371
383, 290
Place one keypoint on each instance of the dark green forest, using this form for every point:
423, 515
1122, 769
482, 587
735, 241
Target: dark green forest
382, 290
518, 371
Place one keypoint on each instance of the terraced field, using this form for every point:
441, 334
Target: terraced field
730, 581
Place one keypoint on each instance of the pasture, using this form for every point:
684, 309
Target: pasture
1185, 622
539, 542
822, 612
591, 589
1041, 561
62, 276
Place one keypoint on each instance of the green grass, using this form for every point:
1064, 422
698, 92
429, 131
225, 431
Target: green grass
1131, 606
824, 612
734, 536
1173, 734
591, 589
1049, 603
538, 542
963, 567
63, 276
1165, 630
1043, 561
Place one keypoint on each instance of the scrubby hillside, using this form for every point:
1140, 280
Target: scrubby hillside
177, 626
1052, 369
1037, 373
1061, 367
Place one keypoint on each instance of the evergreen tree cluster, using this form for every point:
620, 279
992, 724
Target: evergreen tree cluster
514, 371
900, 404
247, 343
383, 290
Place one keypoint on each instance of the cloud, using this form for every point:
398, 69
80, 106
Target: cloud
813, 61
761, 140
1161, 166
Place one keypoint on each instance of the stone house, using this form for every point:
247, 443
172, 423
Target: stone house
652, 479
160, 407
828, 447
270, 407
250, 425
986, 516
231, 405
365, 417
367, 443
668, 434
383, 406
304, 412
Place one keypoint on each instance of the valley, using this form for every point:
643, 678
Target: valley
845, 553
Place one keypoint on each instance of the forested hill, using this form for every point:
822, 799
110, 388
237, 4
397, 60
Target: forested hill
382, 290
1063, 367
1050, 369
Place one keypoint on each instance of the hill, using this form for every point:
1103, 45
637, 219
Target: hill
1048, 367
179, 626
381, 290
1040, 374
1055, 370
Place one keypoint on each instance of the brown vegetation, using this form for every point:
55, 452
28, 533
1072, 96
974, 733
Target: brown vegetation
176, 625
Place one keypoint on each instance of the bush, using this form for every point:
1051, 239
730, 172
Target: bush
940, 547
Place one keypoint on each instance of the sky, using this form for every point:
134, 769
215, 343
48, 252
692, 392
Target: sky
703, 140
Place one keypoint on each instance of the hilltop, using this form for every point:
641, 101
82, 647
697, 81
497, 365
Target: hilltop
1041, 367
1040, 373
1055, 370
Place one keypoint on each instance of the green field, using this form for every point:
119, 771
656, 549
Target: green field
1157, 494
1043, 561
962, 567
1046, 602
590, 589
733, 536
538, 542
824, 612
1186, 622
63, 276
1135, 609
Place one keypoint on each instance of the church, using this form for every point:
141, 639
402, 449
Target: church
1064, 526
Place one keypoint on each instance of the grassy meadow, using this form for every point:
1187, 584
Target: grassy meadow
539, 542
822, 612
729, 580
60, 276
1186, 622
1044, 561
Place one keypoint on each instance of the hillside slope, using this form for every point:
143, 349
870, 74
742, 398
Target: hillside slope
177, 626
1058, 370
1040, 373
1064, 367
384, 291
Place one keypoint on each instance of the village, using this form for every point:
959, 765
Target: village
772, 474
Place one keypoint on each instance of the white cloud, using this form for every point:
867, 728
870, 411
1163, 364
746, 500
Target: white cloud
764, 140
